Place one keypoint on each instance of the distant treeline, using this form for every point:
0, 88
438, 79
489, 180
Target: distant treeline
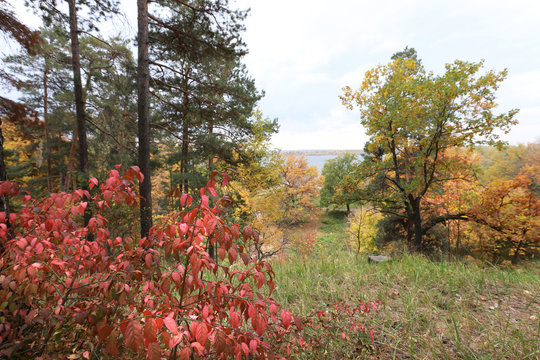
320, 152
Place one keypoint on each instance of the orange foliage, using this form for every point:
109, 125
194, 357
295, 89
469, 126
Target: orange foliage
509, 215
302, 185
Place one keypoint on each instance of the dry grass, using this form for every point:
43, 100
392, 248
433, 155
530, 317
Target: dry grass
430, 310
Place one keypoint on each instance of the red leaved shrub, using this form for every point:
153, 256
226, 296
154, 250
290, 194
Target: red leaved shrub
65, 294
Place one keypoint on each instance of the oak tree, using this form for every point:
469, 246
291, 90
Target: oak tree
413, 118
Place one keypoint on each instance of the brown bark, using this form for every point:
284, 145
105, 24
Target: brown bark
184, 186
4, 200
71, 163
79, 103
211, 250
46, 126
143, 86
77, 82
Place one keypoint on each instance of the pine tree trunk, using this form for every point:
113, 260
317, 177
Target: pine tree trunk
4, 200
79, 102
211, 250
70, 166
46, 123
143, 86
184, 186
77, 82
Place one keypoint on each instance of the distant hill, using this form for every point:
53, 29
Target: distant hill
320, 152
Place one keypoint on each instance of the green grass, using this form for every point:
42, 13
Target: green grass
429, 310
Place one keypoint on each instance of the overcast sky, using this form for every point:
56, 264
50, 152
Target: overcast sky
302, 52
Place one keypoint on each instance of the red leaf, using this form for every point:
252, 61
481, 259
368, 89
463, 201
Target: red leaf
185, 353
176, 276
153, 351
219, 341
235, 231
221, 253
247, 233
260, 326
205, 312
253, 345
298, 322
170, 323
245, 258
204, 200
286, 318
273, 312
201, 334
92, 182
134, 335
111, 345
232, 255
234, 319
150, 330
159, 323
198, 348
104, 331
225, 181
245, 349
82, 207
183, 200
148, 260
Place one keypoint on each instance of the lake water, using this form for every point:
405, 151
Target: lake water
319, 160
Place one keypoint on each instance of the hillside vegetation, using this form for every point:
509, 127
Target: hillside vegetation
448, 309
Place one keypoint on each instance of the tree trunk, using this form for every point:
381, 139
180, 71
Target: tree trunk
184, 186
4, 199
71, 160
348, 209
211, 250
79, 103
416, 224
515, 258
46, 126
143, 90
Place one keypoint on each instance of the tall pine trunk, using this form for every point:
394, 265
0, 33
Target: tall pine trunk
184, 167
211, 250
4, 199
79, 103
46, 123
143, 87
184, 164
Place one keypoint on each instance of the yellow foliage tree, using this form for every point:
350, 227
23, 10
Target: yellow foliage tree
302, 185
363, 229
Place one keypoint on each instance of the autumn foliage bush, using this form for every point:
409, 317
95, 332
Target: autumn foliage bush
65, 294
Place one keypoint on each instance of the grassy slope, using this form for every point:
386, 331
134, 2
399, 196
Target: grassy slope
430, 310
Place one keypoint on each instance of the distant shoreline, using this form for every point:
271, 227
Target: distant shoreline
320, 152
